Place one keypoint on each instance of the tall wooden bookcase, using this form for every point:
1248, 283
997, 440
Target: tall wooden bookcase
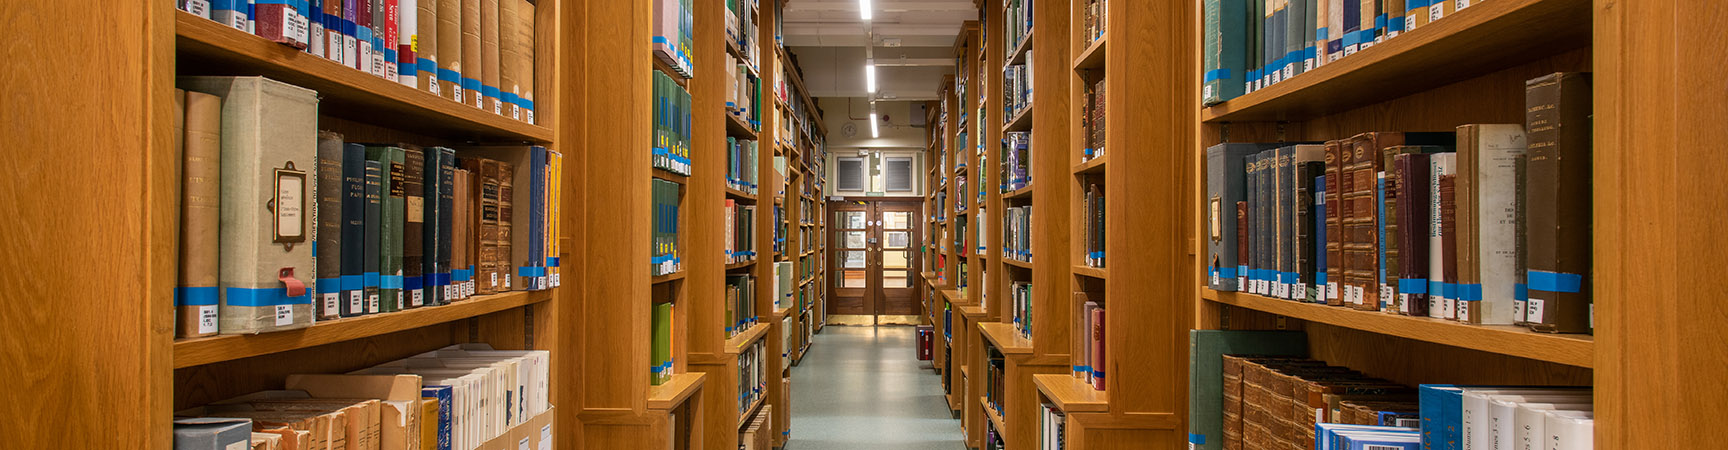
94, 328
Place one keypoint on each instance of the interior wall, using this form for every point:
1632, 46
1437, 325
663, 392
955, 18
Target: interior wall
902, 135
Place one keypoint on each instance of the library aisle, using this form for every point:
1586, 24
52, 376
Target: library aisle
864, 388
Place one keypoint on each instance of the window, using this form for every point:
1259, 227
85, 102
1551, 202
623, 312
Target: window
849, 172
899, 174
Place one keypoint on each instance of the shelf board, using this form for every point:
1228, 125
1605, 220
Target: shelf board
735, 345
1071, 395
1021, 121
744, 419
1005, 339
1018, 55
1094, 272
738, 128
1569, 349
670, 176
1017, 263
995, 419
1481, 39
1093, 57
971, 311
206, 350
205, 47
953, 295
741, 196
1025, 192
1095, 166
740, 265
668, 396
674, 276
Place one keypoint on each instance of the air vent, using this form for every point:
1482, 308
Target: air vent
850, 174
899, 174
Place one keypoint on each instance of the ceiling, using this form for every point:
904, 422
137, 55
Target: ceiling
913, 39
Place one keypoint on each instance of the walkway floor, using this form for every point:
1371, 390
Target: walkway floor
863, 388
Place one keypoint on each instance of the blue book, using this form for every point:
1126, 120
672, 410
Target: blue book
353, 230
1386, 293
1441, 410
446, 412
229, 12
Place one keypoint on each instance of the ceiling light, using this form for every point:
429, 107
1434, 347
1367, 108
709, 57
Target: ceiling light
870, 76
875, 133
864, 9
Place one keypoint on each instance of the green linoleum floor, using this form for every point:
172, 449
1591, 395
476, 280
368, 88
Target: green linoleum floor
863, 388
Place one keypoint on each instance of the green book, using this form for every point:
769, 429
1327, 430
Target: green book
392, 163
660, 363
1206, 350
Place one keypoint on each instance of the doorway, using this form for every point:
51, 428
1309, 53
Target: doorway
875, 255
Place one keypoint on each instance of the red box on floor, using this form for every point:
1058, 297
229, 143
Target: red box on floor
926, 339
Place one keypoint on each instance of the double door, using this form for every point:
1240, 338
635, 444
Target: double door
874, 245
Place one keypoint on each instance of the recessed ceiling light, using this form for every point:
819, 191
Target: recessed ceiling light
864, 9
870, 76
875, 133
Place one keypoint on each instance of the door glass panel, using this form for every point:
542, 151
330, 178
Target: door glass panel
897, 220
852, 278
852, 219
896, 259
896, 239
853, 259
896, 279
852, 239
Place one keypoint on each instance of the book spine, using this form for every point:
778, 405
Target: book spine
374, 277
1439, 165
446, 217
1285, 216
363, 36
525, 47
449, 60
313, 12
331, 194
355, 181
1413, 232
1447, 190
333, 26
414, 224
196, 296
473, 65
1558, 193
1321, 239
1494, 242
390, 233
1335, 212
1361, 248
1306, 234
392, 41
1391, 226
1224, 53
490, 56
230, 13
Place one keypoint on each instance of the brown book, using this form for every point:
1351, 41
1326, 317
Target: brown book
1412, 235
525, 45
487, 277
1449, 245
473, 63
328, 215
505, 264
509, 57
1393, 191
200, 215
414, 226
1335, 211
1558, 202
489, 55
1360, 225
450, 49
461, 266
425, 43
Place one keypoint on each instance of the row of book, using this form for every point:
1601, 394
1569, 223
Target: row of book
674, 35
1252, 44
758, 435
1017, 233
1278, 398
752, 375
1017, 22
1092, 222
399, 226
661, 364
477, 52
1052, 427
983, 223
461, 397
1487, 225
1020, 306
1017, 88
1089, 357
673, 128
1092, 120
741, 28
741, 312
784, 283
740, 232
741, 165
666, 257
1097, 17
1016, 160
744, 94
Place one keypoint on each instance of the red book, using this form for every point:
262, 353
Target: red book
1098, 349
281, 23
391, 39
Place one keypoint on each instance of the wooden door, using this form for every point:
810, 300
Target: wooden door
875, 255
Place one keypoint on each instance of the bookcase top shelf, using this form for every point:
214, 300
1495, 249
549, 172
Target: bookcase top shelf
669, 395
214, 349
1021, 121
740, 196
1018, 55
1093, 166
1005, 339
736, 127
1070, 394
208, 48
1017, 263
1094, 272
1569, 349
1486, 37
737, 344
1093, 56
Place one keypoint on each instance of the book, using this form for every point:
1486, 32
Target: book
391, 39
1224, 58
660, 361
1361, 266
414, 281
449, 47
1336, 210
491, 54
436, 236
1413, 225
285, 23
428, 40
391, 225
473, 65
1206, 350
332, 192
373, 253
461, 236
555, 216
365, 34
525, 46
1558, 202
230, 13
407, 38
1308, 164
359, 188
269, 142
1445, 201
521, 191
1321, 240
196, 296
484, 222
1489, 241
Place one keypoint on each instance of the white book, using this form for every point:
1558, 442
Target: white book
1529, 422
1502, 410
1570, 430
1439, 305
1494, 196
1473, 410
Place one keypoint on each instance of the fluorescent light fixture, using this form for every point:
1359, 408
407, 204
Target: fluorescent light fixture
864, 9
870, 76
875, 133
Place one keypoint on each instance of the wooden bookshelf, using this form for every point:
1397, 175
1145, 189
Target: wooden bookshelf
1094, 55
1070, 394
994, 417
1020, 194
1017, 263
1005, 339
673, 393
1093, 272
208, 350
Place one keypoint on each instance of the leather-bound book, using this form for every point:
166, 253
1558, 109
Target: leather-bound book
485, 223
1284, 221
520, 199
393, 200
1361, 225
1449, 246
1393, 245
461, 234
269, 151
195, 297
329, 217
1558, 202
414, 209
1412, 233
354, 237
1335, 209
1295, 182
